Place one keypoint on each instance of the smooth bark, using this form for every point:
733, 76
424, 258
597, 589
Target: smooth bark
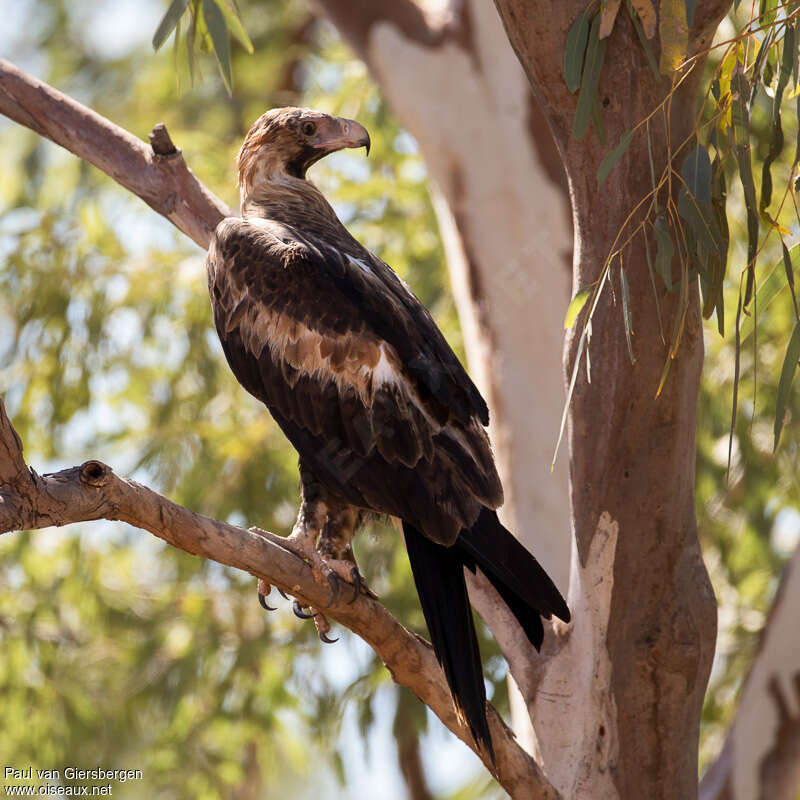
649, 616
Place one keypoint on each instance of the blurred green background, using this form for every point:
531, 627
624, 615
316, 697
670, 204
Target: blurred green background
120, 652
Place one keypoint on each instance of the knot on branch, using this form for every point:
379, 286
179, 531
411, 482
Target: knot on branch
95, 473
161, 142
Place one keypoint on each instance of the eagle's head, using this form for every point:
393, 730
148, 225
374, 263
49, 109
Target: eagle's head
285, 142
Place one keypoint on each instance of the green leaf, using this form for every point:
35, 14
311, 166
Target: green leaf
696, 172
677, 328
215, 21
577, 38
741, 132
766, 10
788, 265
646, 16
737, 363
690, 4
626, 312
674, 33
234, 25
608, 14
168, 22
761, 61
664, 250
717, 262
785, 382
694, 206
597, 121
777, 141
576, 305
595, 53
652, 273
612, 157
191, 37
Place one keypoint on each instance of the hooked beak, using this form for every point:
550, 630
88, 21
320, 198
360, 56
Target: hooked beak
344, 133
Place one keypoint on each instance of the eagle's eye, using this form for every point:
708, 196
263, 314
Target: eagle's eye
309, 128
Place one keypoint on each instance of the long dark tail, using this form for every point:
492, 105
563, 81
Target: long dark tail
439, 575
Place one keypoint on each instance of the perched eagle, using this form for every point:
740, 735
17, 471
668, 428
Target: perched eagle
363, 384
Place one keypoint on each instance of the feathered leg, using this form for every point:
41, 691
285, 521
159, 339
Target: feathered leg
333, 522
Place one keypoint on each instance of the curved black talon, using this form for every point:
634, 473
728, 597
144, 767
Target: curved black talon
283, 594
298, 611
325, 639
333, 580
263, 601
358, 583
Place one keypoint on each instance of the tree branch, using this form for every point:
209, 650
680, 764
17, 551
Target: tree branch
92, 491
163, 181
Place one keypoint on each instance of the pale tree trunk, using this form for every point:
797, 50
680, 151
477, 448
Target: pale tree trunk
618, 707
761, 756
500, 199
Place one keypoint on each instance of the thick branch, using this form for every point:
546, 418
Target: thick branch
164, 182
92, 491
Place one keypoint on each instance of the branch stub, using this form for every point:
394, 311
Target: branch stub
95, 473
161, 142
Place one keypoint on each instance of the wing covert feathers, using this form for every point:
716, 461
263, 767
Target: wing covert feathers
335, 345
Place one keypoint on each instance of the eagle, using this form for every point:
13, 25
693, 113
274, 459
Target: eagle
362, 382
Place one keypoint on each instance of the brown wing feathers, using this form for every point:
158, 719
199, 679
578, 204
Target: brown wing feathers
321, 353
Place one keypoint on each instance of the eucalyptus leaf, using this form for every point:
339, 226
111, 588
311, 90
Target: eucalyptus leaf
590, 79
674, 34
234, 25
788, 266
776, 139
664, 250
215, 21
741, 130
577, 38
169, 21
785, 382
644, 38
626, 312
612, 157
576, 305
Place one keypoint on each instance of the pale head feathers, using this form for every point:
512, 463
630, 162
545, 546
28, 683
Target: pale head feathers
283, 143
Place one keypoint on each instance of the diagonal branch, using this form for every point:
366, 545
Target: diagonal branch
156, 174
92, 491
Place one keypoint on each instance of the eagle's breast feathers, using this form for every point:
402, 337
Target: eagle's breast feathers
344, 356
